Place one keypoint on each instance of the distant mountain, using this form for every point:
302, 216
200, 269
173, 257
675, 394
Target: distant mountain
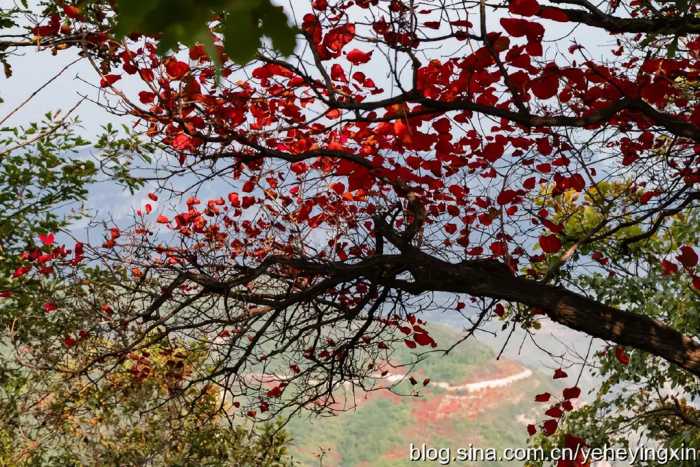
472, 399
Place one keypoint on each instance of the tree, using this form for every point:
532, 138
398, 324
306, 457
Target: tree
408, 155
52, 418
640, 395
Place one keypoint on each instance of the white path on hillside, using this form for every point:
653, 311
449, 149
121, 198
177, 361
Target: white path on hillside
472, 387
394, 378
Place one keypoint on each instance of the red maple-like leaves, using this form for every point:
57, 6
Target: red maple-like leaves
621, 355
424, 339
47, 239
668, 267
358, 57
517, 27
550, 243
550, 427
108, 80
493, 151
571, 393
21, 271
524, 7
72, 11
545, 86
176, 69
688, 257
146, 97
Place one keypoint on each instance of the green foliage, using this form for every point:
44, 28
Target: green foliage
647, 398
46, 170
128, 419
242, 22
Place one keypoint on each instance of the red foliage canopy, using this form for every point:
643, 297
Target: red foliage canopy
403, 152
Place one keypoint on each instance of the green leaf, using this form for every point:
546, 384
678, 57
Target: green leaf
186, 22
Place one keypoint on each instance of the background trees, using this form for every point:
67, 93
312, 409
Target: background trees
406, 156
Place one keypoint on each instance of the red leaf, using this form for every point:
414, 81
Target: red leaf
552, 227
493, 151
233, 199
499, 310
176, 69
545, 86
109, 80
197, 52
621, 355
550, 243
506, 196
517, 27
555, 14
524, 7
182, 142
544, 397
357, 56
668, 267
514, 26
646, 197
559, 373
337, 73
498, 248
146, 97
162, 219
696, 282
531, 429
549, 427
47, 239
299, 168
49, 307
554, 412
22, 270
571, 393
688, 257
153, 197
274, 392
423, 339
450, 228
426, 381
69, 342
72, 11
409, 343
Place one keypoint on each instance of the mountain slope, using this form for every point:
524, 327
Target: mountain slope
472, 399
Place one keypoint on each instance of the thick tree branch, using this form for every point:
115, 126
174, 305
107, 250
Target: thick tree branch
490, 278
677, 25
